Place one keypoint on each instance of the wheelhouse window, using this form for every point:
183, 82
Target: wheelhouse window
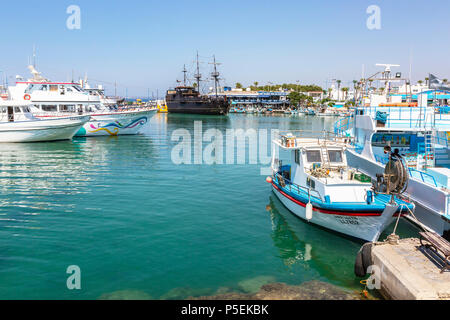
313, 156
53, 87
49, 108
29, 88
17, 110
67, 108
335, 155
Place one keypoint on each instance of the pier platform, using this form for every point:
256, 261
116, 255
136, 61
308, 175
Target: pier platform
410, 272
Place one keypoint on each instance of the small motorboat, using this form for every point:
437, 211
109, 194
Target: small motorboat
18, 124
318, 186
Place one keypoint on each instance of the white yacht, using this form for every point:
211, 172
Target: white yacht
60, 99
419, 130
17, 124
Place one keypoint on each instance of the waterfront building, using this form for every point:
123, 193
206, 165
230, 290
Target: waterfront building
265, 99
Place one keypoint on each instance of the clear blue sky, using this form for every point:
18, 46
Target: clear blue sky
144, 44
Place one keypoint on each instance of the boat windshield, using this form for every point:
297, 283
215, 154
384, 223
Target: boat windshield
313, 156
335, 155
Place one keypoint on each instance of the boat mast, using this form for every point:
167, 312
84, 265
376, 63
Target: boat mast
215, 74
184, 75
198, 76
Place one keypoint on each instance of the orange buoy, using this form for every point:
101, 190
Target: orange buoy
269, 179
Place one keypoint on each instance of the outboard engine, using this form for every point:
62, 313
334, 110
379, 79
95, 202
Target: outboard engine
395, 178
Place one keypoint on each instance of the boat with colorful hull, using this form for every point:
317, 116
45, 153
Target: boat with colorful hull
319, 187
59, 100
115, 123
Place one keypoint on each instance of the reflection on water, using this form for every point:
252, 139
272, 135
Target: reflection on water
133, 220
43, 177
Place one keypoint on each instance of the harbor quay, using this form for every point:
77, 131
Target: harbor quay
407, 270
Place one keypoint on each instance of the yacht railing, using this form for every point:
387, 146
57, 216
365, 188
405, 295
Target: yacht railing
343, 125
413, 173
410, 117
425, 177
295, 187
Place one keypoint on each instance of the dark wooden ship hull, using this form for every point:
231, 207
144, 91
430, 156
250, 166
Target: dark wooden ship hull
207, 106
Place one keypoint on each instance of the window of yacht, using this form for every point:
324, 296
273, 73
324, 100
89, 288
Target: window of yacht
53, 87
68, 89
67, 108
297, 156
335, 155
313, 156
49, 108
29, 88
17, 110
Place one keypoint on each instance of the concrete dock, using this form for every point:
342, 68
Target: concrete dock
408, 273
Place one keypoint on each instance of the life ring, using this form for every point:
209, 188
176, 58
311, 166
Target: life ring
27, 97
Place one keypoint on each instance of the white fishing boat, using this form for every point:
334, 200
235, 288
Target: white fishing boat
317, 185
61, 99
420, 131
17, 124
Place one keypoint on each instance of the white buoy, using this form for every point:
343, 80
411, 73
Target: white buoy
309, 211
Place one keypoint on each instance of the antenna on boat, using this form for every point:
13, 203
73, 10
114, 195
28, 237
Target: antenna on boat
34, 56
387, 69
215, 74
198, 76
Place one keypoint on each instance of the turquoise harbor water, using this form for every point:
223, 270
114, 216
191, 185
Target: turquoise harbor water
133, 221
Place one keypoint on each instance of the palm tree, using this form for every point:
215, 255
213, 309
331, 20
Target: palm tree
420, 82
426, 81
255, 83
346, 92
445, 81
339, 87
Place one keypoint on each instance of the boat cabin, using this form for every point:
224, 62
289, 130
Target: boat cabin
320, 166
12, 111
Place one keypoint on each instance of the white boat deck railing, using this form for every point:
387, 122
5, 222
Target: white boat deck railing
296, 187
436, 117
304, 138
413, 173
